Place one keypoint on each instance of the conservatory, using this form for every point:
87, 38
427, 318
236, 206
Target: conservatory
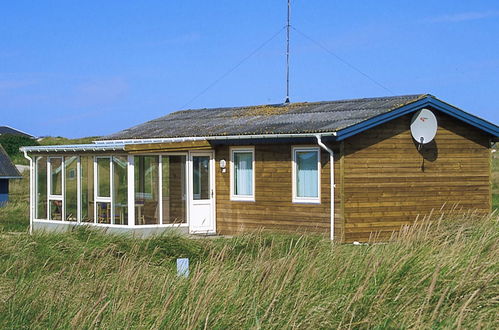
119, 189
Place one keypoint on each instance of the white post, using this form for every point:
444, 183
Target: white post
49, 183
96, 182
111, 188
78, 189
63, 188
32, 190
160, 187
131, 190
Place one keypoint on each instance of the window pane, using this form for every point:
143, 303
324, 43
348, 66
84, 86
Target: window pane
103, 212
306, 174
71, 187
120, 190
87, 189
56, 176
146, 190
103, 178
41, 188
243, 173
174, 183
201, 177
55, 210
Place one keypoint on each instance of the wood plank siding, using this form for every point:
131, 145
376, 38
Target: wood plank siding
388, 183
273, 208
382, 183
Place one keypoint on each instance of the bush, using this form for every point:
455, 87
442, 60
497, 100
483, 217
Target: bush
11, 143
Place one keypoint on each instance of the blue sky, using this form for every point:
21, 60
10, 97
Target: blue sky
85, 68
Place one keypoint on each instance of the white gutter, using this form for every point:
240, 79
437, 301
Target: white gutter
331, 162
75, 148
31, 196
219, 137
119, 145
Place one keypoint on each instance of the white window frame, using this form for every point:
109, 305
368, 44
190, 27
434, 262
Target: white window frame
99, 199
233, 196
35, 187
294, 171
78, 197
60, 197
184, 197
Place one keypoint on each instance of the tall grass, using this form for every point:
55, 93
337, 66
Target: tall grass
440, 274
495, 181
58, 140
14, 216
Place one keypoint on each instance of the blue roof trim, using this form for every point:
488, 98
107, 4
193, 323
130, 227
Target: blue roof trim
428, 101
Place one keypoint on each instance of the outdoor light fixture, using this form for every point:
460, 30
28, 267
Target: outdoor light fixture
223, 165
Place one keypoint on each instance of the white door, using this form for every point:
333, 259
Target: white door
201, 192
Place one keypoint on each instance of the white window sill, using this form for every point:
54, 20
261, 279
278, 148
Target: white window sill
306, 201
242, 198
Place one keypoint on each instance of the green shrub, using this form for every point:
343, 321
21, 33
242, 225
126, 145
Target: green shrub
11, 143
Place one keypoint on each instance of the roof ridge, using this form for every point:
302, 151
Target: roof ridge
305, 103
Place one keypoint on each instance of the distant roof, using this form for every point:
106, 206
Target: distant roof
13, 131
313, 117
342, 118
7, 169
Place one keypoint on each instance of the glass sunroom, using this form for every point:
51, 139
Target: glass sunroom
108, 187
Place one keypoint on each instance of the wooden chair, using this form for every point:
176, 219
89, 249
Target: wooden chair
104, 214
149, 212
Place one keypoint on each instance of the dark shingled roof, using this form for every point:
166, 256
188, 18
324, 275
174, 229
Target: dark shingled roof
316, 117
7, 169
13, 131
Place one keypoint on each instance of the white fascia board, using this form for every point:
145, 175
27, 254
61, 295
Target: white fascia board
222, 137
75, 148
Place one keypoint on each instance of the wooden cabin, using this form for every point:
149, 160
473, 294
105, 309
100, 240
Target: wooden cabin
346, 169
8, 171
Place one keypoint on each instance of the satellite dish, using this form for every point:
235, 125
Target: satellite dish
424, 126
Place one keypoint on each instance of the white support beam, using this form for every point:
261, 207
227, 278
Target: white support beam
32, 191
160, 187
78, 189
131, 191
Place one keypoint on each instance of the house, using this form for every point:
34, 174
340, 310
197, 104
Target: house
8, 171
347, 169
7, 130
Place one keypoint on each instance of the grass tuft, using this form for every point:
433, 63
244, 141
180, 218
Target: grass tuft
440, 274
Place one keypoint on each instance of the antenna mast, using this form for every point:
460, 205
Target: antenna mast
287, 53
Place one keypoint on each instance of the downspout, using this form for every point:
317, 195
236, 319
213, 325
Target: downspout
331, 162
31, 184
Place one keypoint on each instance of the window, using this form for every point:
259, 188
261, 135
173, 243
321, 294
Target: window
70, 188
306, 175
147, 190
201, 177
174, 189
56, 170
87, 188
242, 176
41, 187
103, 193
120, 190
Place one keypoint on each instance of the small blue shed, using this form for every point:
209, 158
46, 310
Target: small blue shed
7, 171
